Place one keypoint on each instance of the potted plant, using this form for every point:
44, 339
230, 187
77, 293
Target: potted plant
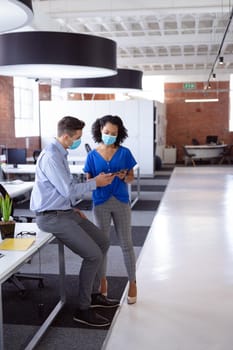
7, 224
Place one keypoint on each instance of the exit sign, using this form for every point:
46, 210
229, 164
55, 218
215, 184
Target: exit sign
189, 85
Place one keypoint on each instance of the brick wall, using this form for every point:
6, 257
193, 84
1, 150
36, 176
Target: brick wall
45, 93
186, 121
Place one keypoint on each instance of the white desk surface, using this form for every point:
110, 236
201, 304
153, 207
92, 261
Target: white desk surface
30, 169
13, 259
17, 187
205, 146
185, 269
205, 151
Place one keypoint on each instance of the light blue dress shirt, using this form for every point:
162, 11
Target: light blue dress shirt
55, 188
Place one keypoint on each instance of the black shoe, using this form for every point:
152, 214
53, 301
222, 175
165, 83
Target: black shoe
99, 300
91, 318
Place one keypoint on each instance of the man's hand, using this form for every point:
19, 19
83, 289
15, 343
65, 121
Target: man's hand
80, 213
104, 179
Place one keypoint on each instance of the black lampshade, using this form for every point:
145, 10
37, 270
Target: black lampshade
15, 14
125, 79
43, 54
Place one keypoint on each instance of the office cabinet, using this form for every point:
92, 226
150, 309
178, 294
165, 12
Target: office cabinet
169, 156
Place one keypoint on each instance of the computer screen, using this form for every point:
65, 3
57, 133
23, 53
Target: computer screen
15, 156
211, 139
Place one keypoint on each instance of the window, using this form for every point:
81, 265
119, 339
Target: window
26, 107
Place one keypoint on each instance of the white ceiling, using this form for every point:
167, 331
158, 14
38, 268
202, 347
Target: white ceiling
159, 37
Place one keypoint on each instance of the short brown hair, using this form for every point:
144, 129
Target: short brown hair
69, 125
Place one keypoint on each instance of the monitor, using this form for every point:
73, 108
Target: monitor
211, 139
15, 156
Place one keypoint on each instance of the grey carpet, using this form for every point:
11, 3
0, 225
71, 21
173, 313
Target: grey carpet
140, 205
138, 236
150, 188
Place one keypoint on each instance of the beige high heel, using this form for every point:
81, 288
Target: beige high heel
104, 286
132, 293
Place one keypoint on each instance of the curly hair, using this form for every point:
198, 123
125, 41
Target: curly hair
113, 119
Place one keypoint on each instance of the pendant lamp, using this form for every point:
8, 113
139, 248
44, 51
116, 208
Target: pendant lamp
125, 80
43, 54
15, 14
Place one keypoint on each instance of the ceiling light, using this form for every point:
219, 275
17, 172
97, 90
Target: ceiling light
202, 100
15, 14
221, 60
125, 80
42, 54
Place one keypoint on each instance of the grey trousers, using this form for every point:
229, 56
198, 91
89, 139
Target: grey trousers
120, 213
84, 239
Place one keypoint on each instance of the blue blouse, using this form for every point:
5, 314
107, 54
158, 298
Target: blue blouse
96, 164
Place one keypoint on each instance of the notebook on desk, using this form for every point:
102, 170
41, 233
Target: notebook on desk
17, 243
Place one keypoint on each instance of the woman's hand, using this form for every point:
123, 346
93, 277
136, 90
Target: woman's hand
126, 175
122, 174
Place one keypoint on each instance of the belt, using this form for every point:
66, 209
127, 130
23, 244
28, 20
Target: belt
40, 213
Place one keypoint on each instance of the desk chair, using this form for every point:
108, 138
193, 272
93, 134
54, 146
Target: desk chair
227, 155
188, 157
17, 278
195, 142
36, 154
87, 147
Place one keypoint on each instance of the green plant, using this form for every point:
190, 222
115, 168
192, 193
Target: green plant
6, 207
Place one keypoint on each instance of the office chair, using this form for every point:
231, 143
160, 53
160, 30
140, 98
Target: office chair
17, 277
188, 156
87, 147
226, 155
36, 154
195, 142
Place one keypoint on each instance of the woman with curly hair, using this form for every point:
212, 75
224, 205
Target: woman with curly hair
111, 202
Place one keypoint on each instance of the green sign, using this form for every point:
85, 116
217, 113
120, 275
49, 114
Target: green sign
189, 85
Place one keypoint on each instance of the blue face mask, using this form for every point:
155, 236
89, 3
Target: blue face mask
75, 144
108, 139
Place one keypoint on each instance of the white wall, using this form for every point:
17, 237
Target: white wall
137, 116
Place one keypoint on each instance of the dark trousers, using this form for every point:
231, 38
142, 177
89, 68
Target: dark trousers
84, 239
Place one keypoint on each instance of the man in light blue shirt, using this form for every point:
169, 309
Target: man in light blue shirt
53, 196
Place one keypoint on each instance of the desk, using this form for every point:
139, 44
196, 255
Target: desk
204, 151
184, 271
13, 260
17, 187
31, 168
75, 169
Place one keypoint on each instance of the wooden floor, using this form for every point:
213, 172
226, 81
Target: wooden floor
185, 270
